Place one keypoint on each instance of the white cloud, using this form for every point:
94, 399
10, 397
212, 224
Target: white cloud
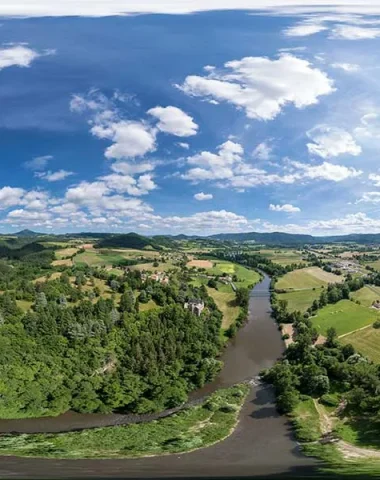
184, 145
130, 139
369, 128
203, 196
375, 178
304, 29
262, 151
327, 171
287, 208
54, 176
347, 67
38, 163
354, 32
103, 8
127, 184
370, 197
175, 121
127, 168
20, 56
10, 196
331, 142
252, 84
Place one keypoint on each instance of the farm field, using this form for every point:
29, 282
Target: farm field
59, 263
246, 277
66, 252
53, 276
367, 295
310, 277
345, 316
375, 265
300, 300
366, 342
283, 257
225, 301
200, 264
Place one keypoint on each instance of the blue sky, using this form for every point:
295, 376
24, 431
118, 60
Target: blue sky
215, 121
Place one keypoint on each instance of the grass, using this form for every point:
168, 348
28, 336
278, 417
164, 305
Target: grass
25, 305
65, 252
305, 420
366, 342
300, 300
359, 432
225, 301
345, 316
95, 259
367, 295
246, 277
191, 429
283, 257
305, 278
145, 307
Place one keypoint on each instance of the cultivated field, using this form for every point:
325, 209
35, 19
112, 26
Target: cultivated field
66, 252
310, 277
366, 342
367, 295
225, 301
200, 264
345, 316
59, 263
282, 256
300, 300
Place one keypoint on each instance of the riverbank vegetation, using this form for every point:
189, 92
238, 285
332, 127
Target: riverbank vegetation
193, 428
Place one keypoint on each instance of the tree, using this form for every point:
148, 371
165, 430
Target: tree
127, 301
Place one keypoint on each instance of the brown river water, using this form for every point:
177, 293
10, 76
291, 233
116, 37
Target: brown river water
261, 445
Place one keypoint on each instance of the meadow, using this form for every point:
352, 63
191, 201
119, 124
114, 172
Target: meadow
345, 316
367, 295
300, 300
366, 342
282, 256
305, 278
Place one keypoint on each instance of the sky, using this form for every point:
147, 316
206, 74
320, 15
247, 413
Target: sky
187, 119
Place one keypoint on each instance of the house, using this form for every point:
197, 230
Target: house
196, 306
376, 304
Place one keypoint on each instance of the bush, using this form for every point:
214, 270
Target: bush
329, 400
376, 324
286, 336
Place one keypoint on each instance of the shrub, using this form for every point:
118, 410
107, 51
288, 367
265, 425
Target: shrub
286, 336
376, 324
329, 400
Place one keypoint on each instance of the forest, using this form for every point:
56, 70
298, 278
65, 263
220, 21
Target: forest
76, 350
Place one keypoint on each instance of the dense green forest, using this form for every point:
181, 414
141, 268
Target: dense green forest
76, 350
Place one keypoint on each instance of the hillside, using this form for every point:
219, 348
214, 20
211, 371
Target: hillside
128, 240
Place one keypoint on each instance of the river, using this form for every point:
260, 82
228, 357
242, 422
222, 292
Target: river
262, 444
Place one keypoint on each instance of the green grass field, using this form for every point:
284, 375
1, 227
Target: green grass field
300, 300
193, 428
24, 305
367, 295
282, 256
310, 277
366, 342
345, 316
225, 301
246, 277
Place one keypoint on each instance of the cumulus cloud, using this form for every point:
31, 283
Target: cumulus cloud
331, 142
54, 176
175, 121
130, 139
370, 197
369, 128
20, 56
287, 208
354, 32
128, 168
10, 196
203, 196
263, 151
375, 178
228, 168
304, 29
38, 163
128, 184
252, 84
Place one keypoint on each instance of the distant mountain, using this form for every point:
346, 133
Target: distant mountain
27, 233
280, 238
128, 240
274, 238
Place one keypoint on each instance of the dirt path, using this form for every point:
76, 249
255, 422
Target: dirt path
354, 331
348, 450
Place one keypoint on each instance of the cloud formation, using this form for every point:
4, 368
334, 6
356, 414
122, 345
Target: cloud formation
287, 208
251, 84
175, 121
203, 196
328, 142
